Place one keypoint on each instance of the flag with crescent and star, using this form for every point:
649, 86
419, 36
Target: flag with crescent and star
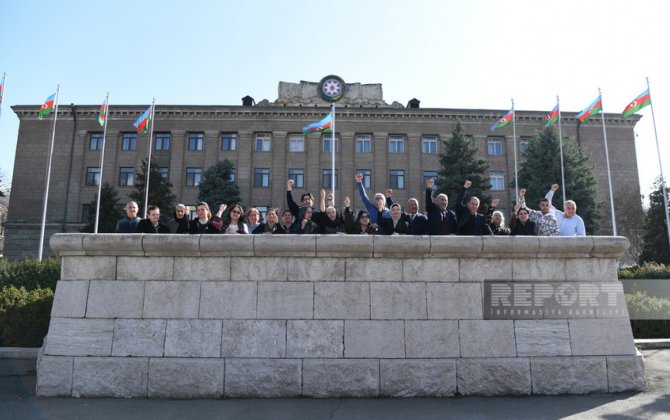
637, 104
551, 117
47, 107
323, 126
102, 113
142, 123
592, 110
504, 120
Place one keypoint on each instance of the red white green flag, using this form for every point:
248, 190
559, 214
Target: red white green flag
323, 126
47, 107
142, 123
637, 104
504, 120
102, 114
551, 117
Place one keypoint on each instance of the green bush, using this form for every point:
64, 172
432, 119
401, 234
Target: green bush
31, 274
648, 270
650, 315
24, 315
650, 328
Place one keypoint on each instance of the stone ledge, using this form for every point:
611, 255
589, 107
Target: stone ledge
68, 244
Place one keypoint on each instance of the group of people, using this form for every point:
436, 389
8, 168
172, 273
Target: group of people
381, 216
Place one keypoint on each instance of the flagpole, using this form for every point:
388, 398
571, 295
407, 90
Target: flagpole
48, 177
2, 94
660, 165
151, 134
332, 149
560, 144
607, 160
102, 161
516, 175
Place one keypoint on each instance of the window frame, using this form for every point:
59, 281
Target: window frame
367, 177
165, 138
326, 139
397, 179
261, 177
231, 139
129, 171
199, 138
92, 176
298, 177
396, 144
193, 176
265, 139
99, 138
129, 142
326, 178
365, 140
429, 145
499, 177
493, 144
296, 139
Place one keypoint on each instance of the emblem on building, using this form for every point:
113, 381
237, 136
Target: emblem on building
331, 88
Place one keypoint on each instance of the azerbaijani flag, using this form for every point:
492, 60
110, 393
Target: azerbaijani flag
593, 109
637, 104
47, 106
504, 120
551, 117
142, 123
102, 113
323, 126
2, 92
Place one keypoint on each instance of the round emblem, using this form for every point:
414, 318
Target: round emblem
331, 88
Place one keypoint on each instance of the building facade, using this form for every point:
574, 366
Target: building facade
391, 145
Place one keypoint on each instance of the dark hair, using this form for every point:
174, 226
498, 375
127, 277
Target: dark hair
286, 210
302, 197
151, 208
545, 200
524, 209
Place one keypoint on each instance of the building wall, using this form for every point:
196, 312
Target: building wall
72, 156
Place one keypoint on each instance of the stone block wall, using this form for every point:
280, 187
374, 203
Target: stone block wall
175, 316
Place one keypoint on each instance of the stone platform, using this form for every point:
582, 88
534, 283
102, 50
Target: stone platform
179, 316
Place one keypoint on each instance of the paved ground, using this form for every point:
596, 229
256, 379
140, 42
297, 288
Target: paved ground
17, 401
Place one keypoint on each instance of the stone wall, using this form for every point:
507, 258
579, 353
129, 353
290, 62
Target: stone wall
170, 316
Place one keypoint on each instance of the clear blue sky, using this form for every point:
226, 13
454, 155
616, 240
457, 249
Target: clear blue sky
449, 54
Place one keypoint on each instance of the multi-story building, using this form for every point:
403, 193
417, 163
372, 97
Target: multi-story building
391, 145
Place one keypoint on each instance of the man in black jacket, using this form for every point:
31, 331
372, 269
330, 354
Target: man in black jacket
441, 220
469, 221
418, 222
152, 224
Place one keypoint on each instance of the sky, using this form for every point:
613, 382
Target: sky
448, 53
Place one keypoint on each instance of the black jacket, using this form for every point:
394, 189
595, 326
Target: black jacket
145, 226
439, 222
479, 225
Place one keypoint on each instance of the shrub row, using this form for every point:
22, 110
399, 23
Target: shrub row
648, 270
31, 274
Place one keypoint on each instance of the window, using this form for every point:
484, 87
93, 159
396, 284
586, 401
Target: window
327, 177
367, 176
162, 141
429, 145
396, 144
523, 145
193, 177
261, 177
92, 176
95, 142
126, 177
296, 143
430, 175
298, 176
495, 146
497, 181
228, 142
165, 173
195, 141
193, 213
363, 143
327, 139
129, 141
397, 179
262, 142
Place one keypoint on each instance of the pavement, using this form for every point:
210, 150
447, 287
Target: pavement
18, 401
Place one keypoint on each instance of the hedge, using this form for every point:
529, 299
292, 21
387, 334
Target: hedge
24, 316
648, 270
31, 274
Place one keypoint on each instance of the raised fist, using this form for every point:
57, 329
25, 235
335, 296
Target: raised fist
494, 202
467, 184
554, 187
429, 183
359, 178
522, 192
388, 192
289, 184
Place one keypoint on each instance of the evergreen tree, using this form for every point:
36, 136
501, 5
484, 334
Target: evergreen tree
655, 245
216, 186
111, 210
459, 162
542, 168
160, 190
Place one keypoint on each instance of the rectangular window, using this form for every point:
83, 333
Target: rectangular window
298, 177
397, 178
495, 146
363, 143
327, 139
195, 141
193, 177
367, 176
92, 176
430, 175
129, 141
263, 142
327, 178
497, 181
228, 142
261, 177
296, 143
126, 177
523, 145
165, 173
162, 141
95, 142
429, 145
396, 144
